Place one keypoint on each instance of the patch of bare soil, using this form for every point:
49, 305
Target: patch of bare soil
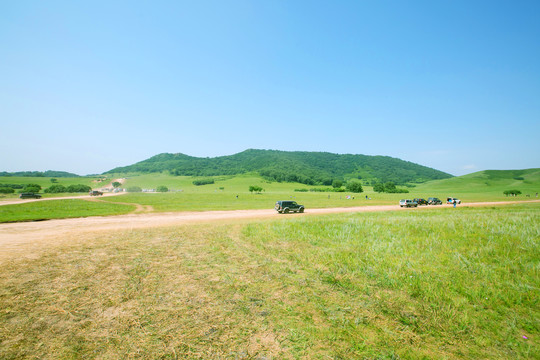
17, 238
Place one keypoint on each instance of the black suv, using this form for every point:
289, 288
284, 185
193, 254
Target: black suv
29, 196
434, 201
421, 201
285, 207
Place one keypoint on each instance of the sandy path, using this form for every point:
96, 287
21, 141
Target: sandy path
18, 236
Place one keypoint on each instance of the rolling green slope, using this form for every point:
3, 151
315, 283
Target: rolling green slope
298, 166
488, 182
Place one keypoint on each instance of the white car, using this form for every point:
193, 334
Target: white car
451, 200
407, 203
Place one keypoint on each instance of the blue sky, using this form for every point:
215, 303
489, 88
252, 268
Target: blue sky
88, 86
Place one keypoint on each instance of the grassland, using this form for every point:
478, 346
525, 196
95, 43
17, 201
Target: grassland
231, 193
61, 209
486, 185
436, 284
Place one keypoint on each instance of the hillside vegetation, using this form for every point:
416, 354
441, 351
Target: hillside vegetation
311, 168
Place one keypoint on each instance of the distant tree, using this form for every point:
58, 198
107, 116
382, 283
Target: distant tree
78, 188
398, 191
389, 187
255, 188
13, 186
53, 180
34, 188
378, 187
512, 192
116, 184
354, 186
55, 189
6, 190
205, 181
326, 182
162, 188
337, 184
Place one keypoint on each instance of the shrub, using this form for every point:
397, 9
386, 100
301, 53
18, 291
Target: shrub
398, 191
519, 178
6, 190
134, 189
327, 190
33, 188
205, 181
79, 188
13, 186
301, 190
337, 184
378, 187
512, 192
162, 188
388, 187
55, 189
255, 188
354, 186
321, 190
326, 182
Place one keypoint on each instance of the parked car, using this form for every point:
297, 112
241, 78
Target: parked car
421, 201
407, 203
29, 196
284, 207
95, 193
451, 200
434, 201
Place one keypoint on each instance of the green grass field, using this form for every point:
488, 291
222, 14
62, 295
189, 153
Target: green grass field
222, 195
435, 284
486, 185
60, 209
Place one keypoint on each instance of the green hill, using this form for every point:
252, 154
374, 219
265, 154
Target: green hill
48, 173
312, 168
488, 181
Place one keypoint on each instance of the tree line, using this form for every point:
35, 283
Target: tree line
36, 188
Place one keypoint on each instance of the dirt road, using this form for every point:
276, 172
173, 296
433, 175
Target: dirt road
16, 237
